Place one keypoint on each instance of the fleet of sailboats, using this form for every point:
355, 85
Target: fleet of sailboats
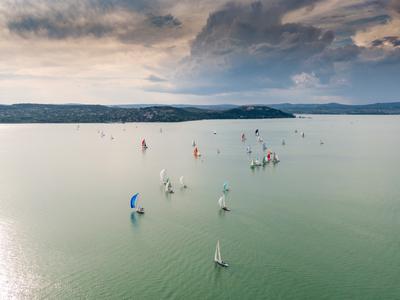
268, 157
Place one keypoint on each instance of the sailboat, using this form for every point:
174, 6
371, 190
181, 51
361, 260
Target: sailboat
321, 142
218, 258
283, 143
248, 149
243, 137
193, 143
144, 145
168, 187
275, 158
255, 163
196, 152
135, 204
252, 164
225, 187
182, 182
222, 204
302, 134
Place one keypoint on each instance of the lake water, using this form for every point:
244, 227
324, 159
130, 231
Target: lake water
324, 223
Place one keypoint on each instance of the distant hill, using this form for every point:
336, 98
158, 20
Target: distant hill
202, 106
77, 113
336, 108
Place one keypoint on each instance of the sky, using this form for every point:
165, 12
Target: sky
199, 51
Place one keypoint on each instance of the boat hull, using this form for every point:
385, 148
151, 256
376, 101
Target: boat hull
222, 264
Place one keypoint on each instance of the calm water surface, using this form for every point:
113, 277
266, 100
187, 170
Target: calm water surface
322, 224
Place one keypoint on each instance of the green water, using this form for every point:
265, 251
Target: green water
322, 224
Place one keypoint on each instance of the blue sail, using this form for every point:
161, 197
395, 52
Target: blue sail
134, 199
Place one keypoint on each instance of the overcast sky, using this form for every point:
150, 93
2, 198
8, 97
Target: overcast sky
193, 51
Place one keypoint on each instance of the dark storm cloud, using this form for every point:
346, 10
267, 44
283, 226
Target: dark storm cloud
164, 21
258, 26
255, 48
94, 18
392, 40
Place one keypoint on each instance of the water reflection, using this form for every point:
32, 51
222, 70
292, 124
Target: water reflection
134, 218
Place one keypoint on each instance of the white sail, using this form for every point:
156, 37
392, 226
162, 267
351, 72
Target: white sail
216, 252
221, 201
217, 256
163, 175
167, 187
182, 181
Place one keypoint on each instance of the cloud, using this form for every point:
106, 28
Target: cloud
246, 46
118, 19
305, 80
164, 21
155, 78
393, 41
210, 49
